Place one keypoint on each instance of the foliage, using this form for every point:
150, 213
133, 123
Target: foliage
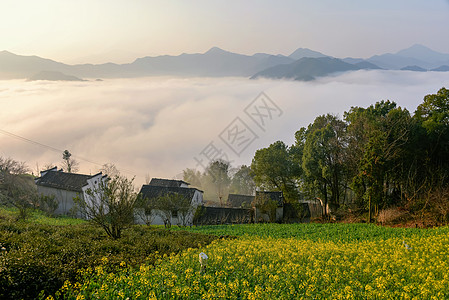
323, 159
17, 188
170, 203
48, 204
242, 181
438, 201
300, 261
110, 205
379, 136
145, 210
265, 205
43, 257
275, 170
219, 179
193, 177
217, 173
69, 164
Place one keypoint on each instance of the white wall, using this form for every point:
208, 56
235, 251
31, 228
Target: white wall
197, 200
94, 184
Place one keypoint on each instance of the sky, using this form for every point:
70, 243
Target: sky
98, 31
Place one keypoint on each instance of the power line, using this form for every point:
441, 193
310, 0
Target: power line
27, 140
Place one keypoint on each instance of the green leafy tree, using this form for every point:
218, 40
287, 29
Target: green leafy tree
275, 170
323, 159
433, 117
378, 156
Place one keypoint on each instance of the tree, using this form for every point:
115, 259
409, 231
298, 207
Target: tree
146, 210
217, 172
433, 117
243, 181
173, 204
110, 205
323, 159
274, 169
193, 177
17, 187
69, 164
378, 155
110, 169
265, 205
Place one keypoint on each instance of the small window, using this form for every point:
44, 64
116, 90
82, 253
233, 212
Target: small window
174, 213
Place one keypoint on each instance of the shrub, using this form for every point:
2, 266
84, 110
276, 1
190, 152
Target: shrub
43, 257
48, 204
390, 215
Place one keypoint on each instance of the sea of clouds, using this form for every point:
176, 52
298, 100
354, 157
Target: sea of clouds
157, 126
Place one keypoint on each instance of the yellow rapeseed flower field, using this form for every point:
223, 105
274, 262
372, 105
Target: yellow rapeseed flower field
281, 267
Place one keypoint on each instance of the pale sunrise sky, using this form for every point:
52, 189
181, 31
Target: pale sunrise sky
98, 31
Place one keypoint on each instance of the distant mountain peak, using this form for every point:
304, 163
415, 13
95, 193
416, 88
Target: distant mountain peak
417, 47
305, 52
216, 50
54, 76
423, 53
4, 52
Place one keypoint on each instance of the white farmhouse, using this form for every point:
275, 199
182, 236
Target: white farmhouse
66, 186
159, 187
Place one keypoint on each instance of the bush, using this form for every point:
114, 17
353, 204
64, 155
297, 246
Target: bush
390, 216
48, 204
42, 257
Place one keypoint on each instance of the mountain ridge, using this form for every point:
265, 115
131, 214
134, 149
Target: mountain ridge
215, 62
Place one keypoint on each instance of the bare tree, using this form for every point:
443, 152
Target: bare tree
145, 210
110, 205
110, 169
17, 187
69, 164
170, 204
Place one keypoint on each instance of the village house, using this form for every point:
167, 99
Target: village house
240, 201
262, 207
159, 187
65, 187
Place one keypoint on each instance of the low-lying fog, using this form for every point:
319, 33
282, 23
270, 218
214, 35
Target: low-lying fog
157, 126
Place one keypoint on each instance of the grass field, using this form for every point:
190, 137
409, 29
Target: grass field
38, 217
291, 261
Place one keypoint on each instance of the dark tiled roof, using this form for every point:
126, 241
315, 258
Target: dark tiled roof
65, 181
236, 200
167, 182
276, 196
151, 192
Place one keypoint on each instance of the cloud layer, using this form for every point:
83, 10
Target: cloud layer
156, 126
